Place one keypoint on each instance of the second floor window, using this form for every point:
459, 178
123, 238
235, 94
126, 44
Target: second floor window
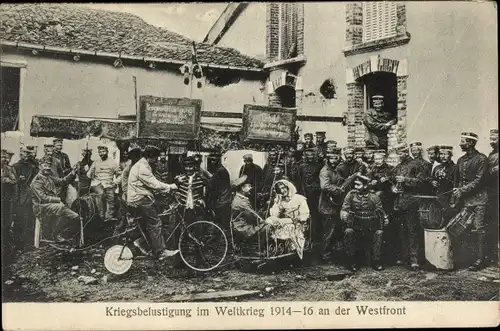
379, 20
288, 23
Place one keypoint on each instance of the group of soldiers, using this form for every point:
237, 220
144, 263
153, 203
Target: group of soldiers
359, 203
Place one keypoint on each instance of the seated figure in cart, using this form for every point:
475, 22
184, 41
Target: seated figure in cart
288, 216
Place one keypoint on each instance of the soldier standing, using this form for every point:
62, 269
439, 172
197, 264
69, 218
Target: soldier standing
433, 153
368, 156
350, 167
470, 188
162, 170
330, 181
365, 218
309, 186
308, 140
268, 176
254, 175
63, 159
492, 186
320, 146
377, 122
219, 195
408, 178
442, 178
8, 195
26, 170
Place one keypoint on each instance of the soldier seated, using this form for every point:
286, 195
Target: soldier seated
365, 219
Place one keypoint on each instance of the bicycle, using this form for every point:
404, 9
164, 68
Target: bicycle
202, 245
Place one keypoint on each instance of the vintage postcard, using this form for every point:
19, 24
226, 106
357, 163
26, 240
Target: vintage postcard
249, 165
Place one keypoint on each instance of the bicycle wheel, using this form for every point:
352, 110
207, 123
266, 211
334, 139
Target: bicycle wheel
203, 246
118, 259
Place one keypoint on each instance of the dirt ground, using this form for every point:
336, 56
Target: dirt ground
43, 276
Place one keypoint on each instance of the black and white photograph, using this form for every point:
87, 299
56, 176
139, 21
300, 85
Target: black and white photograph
250, 153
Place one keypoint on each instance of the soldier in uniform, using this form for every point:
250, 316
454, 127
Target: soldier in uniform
379, 179
470, 189
254, 176
408, 178
219, 195
364, 216
268, 177
444, 173
377, 122
63, 159
57, 169
191, 190
308, 140
299, 151
350, 166
492, 210
433, 153
308, 179
9, 156
162, 172
368, 156
8, 195
26, 170
320, 146
330, 181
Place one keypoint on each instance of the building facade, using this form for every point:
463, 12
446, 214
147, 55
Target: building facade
65, 61
434, 63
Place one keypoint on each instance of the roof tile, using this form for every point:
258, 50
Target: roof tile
76, 27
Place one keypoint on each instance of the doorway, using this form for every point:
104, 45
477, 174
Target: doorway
381, 83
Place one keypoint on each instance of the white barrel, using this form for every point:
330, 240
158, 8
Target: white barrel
438, 250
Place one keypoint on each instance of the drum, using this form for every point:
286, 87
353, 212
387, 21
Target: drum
459, 223
430, 213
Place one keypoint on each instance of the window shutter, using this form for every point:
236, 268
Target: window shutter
379, 20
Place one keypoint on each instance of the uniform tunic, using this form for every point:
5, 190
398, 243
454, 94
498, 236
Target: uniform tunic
470, 178
382, 189
376, 133
26, 171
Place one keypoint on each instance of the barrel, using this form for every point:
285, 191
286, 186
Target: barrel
438, 250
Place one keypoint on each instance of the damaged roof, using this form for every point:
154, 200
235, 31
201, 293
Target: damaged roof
81, 28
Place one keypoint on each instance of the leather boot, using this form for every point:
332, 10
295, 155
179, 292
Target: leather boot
479, 264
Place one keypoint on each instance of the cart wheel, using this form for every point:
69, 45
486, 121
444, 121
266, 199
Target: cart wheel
203, 246
118, 259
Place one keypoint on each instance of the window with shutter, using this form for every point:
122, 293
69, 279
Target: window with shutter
288, 19
379, 20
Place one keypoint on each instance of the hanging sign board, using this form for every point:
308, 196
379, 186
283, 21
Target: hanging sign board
168, 118
268, 124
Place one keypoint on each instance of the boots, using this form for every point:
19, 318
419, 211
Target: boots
479, 264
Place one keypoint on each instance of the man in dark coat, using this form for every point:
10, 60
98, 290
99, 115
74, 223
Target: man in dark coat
8, 195
416, 150
320, 146
63, 159
442, 178
26, 170
254, 176
377, 122
350, 167
470, 189
308, 180
408, 178
308, 140
492, 210
219, 195
162, 171
330, 181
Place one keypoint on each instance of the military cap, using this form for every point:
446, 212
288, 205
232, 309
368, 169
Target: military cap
189, 160
308, 135
214, 155
248, 157
48, 146
102, 147
271, 152
380, 152
4, 151
469, 135
494, 133
9, 153
433, 147
321, 133
151, 151
378, 97
57, 140
348, 149
310, 150
446, 148
362, 179
333, 151
415, 144
30, 148
370, 149
401, 147
22, 148
134, 147
332, 143
45, 161
359, 149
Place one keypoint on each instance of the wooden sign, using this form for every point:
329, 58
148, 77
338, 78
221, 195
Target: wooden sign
381, 64
168, 118
261, 123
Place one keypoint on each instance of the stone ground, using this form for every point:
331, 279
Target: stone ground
48, 276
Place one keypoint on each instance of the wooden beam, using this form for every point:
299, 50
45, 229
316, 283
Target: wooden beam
222, 114
224, 22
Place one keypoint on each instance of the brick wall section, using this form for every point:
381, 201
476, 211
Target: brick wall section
300, 28
401, 18
354, 24
397, 134
272, 31
355, 131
